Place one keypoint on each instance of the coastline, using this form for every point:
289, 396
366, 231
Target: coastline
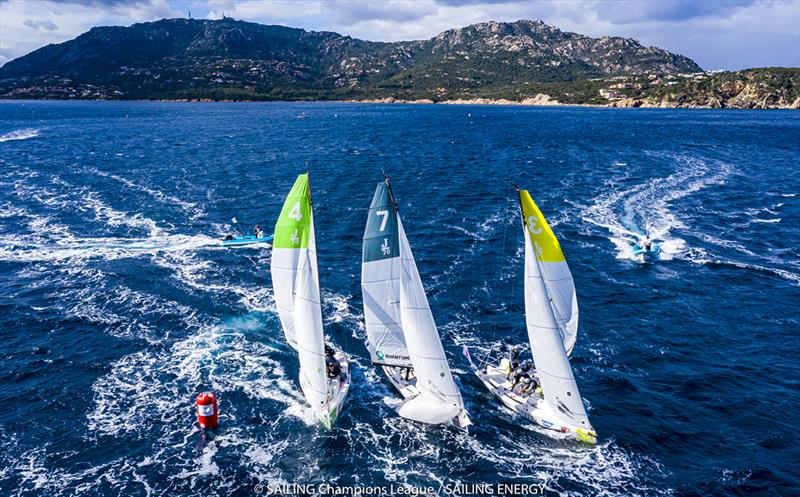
542, 100
539, 100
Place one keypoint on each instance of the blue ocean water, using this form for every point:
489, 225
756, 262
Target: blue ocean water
117, 305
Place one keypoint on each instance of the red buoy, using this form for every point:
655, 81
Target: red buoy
207, 410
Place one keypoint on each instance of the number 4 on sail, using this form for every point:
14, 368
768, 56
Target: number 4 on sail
324, 372
546, 394
402, 336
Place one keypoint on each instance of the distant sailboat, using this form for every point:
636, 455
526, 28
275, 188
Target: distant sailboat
295, 279
402, 335
551, 398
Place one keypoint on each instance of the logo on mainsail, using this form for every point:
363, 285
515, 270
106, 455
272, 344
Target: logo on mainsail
385, 248
295, 239
538, 249
380, 355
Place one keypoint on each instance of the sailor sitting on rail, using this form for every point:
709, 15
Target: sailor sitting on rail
521, 373
331, 364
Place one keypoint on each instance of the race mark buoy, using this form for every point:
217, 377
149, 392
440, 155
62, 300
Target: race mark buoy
207, 410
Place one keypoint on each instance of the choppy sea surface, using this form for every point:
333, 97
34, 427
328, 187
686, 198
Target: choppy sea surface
118, 305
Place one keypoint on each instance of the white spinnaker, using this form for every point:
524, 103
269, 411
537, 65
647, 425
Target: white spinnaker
308, 326
549, 355
284, 279
380, 282
561, 288
434, 380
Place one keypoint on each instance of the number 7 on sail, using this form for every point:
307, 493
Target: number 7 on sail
401, 332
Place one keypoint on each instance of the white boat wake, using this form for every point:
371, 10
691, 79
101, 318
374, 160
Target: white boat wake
646, 208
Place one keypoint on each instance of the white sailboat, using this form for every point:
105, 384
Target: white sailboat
295, 280
402, 335
551, 397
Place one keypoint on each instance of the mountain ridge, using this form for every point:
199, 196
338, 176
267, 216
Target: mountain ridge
524, 60
187, 51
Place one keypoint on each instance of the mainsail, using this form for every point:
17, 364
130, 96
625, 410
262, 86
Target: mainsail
295, 279
308, 327
554, 272
380, 282
543, 256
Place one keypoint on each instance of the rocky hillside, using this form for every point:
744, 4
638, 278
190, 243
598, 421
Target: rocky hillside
764, 88
496, 54
230, 59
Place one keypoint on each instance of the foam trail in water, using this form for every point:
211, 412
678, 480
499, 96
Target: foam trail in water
645, 208
50, 241
189, 207
20, 134
519, 452
219, 356
17, 249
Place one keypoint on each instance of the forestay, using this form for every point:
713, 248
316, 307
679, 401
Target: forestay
547, 346
380, 282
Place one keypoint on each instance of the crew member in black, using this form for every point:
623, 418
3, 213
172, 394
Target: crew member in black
331, 363
523, 372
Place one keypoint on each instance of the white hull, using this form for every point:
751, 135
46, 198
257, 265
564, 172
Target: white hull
530, 404
406, 385
405, 381
337, 388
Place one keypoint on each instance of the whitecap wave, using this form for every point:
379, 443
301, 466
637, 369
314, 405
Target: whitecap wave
19, 134
193, 209
409, 453
703, 257
220, 357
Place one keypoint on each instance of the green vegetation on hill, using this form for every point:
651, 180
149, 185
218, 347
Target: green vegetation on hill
236, 60
176, 58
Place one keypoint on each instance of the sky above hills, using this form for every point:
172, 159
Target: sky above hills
717, 34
